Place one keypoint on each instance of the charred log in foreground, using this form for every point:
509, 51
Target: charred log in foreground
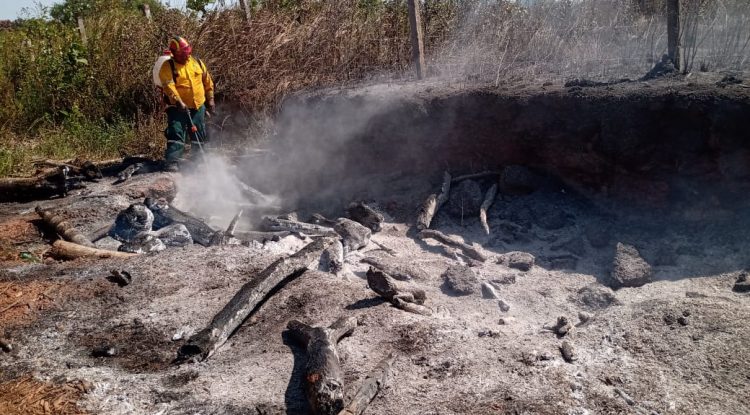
430, 207
165, 215
400, 295
203, 344
63, 228
69, 251
373, 383
489, 199
324, 379
100, 233
467, 249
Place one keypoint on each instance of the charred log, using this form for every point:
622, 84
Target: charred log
279, 225
401, 270
467, 249
165, 215
365, 215
434, 202
489, 199
63, 228
324, 379
227, 237
69, 251
400, 295
373, 383
203, 344
55, 184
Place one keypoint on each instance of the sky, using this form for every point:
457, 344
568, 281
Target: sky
11, 9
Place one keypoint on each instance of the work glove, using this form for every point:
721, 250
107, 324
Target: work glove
211, 105
181, 106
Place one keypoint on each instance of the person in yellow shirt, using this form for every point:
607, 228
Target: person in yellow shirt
189, 93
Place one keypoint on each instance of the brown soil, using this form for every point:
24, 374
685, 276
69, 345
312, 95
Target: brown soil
21, 302
28, 396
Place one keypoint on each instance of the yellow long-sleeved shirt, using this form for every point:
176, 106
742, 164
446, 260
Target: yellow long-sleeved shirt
193, 86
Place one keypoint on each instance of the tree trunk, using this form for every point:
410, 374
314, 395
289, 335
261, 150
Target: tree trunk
433, 203
467, 249
673, 33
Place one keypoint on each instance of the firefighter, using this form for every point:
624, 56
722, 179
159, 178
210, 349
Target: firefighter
189, 93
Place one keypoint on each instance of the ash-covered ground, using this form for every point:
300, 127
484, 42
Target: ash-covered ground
676, 345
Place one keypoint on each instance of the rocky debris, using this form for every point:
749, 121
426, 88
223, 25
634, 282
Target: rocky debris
576, 246
595, 297
584, 317
143, 244
503, 321
104, 351
354, 236
121, 278
559, 262
568, 351
742, 285
175, 235
598, 235
332, 259
519, 180
365, 215
131, 222
562, 327
505, 279
488, 291
683, 320
460, 280
504, 306
522, 261
669, 319
5, 345
629, 269
163, 188
465, 199
489, 333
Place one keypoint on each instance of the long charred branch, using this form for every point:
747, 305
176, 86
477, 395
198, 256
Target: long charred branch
373, 383
467, 249
324, 379
63, 228
489, 198
279, 225
434, 202
69, 251
203, 344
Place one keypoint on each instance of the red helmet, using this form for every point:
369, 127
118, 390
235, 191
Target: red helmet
180, 47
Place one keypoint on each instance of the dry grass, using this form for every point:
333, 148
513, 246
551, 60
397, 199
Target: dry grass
28, 396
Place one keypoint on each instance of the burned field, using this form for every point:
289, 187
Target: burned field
556, 251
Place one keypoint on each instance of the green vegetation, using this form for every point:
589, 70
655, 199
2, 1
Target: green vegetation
63, 97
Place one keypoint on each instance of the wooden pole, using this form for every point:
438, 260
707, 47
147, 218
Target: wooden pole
246, 7
82, 30
673, 33
417, 38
